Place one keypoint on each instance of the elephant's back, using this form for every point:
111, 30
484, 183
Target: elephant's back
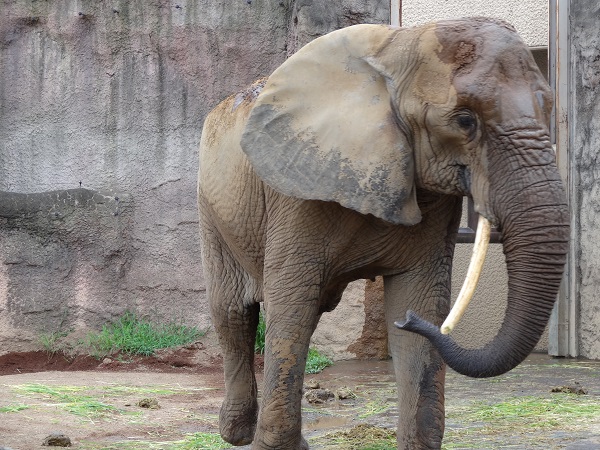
230, 195
225, 124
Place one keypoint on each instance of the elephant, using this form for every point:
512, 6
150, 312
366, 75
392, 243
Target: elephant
351, 160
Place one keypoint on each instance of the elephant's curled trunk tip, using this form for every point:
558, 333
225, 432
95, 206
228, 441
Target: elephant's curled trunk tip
412, 322
418, 325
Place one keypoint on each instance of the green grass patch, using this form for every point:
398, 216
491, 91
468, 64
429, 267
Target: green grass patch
89, 408
316, 361
261, 332
127, 336
529, 415
67, 397
56, 392
137, 390
530, 412
374, 407
376, 401
51, 342
203, 441
135, 336
13, 408
67, 392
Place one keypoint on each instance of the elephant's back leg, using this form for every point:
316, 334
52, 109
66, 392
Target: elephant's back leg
234, 298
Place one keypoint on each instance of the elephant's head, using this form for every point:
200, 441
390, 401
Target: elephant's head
366, 115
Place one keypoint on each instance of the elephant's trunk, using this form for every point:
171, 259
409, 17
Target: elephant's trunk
529, 202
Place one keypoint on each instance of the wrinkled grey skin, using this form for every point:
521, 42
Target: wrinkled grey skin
350, 162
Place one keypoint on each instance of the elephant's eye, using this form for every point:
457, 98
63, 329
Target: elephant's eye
466, 121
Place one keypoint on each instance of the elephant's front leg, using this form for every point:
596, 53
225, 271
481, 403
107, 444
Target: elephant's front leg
291, 317
420, 371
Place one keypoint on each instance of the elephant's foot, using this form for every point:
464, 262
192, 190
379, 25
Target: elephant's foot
273, 442
237, 425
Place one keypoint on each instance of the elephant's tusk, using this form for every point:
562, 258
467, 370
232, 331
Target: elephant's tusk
482, 239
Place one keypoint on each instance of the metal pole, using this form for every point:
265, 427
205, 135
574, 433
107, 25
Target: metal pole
395, 14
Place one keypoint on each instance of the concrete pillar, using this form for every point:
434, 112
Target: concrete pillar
583, 123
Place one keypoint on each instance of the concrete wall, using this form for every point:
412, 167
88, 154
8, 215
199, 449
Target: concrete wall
530, 18
111, 97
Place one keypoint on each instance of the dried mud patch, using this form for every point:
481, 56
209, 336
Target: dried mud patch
195, 358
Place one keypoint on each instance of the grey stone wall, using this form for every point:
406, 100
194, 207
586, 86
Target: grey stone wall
584, 155
310, 19
109, 97
61, 251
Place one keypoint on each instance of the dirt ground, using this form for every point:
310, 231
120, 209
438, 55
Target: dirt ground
162, 402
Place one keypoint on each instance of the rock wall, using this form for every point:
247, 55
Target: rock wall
109, 97
61, 252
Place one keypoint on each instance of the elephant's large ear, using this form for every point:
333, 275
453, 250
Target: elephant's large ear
323, 128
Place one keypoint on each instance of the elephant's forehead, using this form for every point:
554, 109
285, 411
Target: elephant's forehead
474, 57
468, 41
433, 77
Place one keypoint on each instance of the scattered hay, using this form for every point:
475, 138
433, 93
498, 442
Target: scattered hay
362, 436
